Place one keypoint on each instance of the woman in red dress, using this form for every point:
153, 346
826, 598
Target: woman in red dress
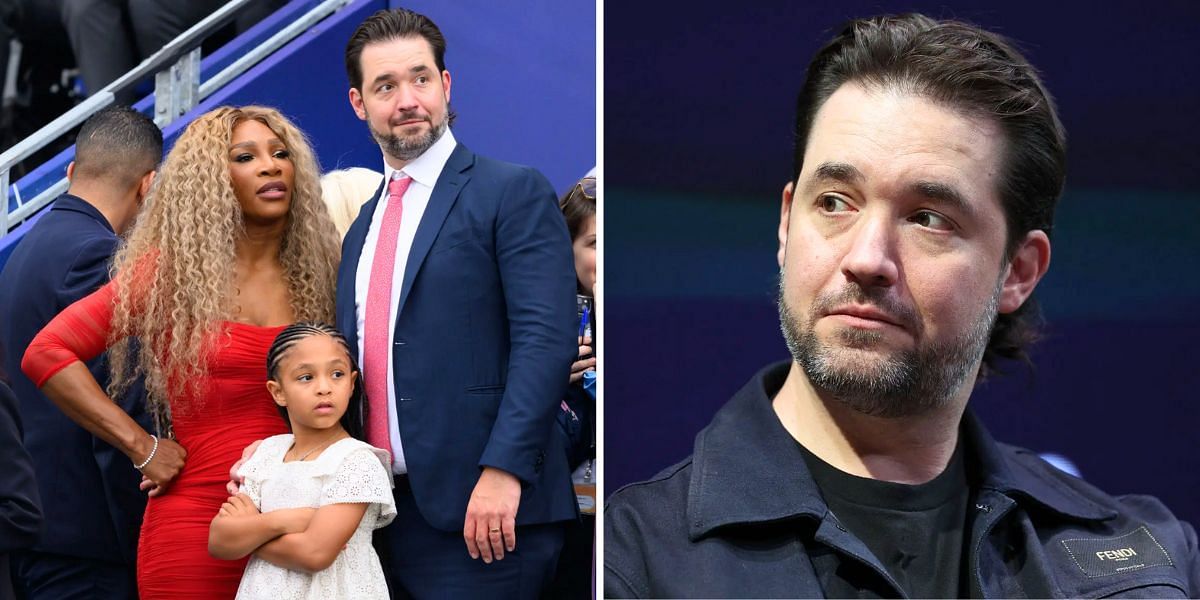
234, 244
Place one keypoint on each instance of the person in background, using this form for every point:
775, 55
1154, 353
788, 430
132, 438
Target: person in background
577, 412
20, 511
110, 37
345, 191
88, 545
36, 58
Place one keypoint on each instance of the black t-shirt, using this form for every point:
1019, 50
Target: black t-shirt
916, 531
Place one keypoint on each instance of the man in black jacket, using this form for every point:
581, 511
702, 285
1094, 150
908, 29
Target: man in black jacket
916, 225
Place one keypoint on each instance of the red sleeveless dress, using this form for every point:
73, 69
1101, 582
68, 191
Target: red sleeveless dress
232, 410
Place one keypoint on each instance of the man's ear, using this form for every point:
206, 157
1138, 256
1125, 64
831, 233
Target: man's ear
276, 392
785, 214
446, 84
144, 185
71, 171
1029, 263
356, 102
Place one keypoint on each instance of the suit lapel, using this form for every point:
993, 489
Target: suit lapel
352, 248
450, 183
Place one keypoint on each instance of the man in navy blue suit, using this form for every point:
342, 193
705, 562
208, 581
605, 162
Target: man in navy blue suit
89, 490
457, 288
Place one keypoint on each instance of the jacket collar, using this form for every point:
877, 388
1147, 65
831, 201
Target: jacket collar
454, 176
746, 468
68, 202
450, 183
1025, 477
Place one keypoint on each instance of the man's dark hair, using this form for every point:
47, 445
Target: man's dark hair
386, 25
118, 144
981, 74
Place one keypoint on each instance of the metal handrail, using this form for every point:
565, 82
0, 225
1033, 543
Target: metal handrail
273, 43
164, 59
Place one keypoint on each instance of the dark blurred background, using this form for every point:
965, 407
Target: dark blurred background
699, 101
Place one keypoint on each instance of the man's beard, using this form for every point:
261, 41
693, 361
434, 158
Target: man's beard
407, 148
906, 383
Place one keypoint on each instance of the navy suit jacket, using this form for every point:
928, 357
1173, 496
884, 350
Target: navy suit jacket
484, 338
89, 490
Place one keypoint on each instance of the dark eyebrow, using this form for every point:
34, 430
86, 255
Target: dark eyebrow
943, 193
388, 75
333, 363
251, 144
829, 172
384, 76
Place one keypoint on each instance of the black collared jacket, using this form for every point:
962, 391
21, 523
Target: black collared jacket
743, 518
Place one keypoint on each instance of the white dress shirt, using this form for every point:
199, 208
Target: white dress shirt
424, 171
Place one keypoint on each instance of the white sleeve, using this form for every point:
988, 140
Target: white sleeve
361, 478
254, 471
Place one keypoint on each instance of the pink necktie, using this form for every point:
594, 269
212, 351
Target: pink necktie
376, 330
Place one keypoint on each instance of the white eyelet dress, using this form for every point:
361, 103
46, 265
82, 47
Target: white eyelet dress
349, 471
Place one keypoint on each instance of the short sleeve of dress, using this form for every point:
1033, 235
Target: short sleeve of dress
254, 470
252, 487
361, 477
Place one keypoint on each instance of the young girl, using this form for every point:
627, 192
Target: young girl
310, 499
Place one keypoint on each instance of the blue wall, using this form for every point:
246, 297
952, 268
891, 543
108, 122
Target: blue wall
699, 109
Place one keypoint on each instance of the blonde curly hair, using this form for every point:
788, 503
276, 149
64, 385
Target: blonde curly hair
175, 273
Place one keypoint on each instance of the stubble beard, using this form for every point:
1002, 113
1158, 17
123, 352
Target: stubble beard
408, 148
904, 383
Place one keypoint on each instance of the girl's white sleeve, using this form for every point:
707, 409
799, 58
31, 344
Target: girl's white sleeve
253, 471
361, 477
